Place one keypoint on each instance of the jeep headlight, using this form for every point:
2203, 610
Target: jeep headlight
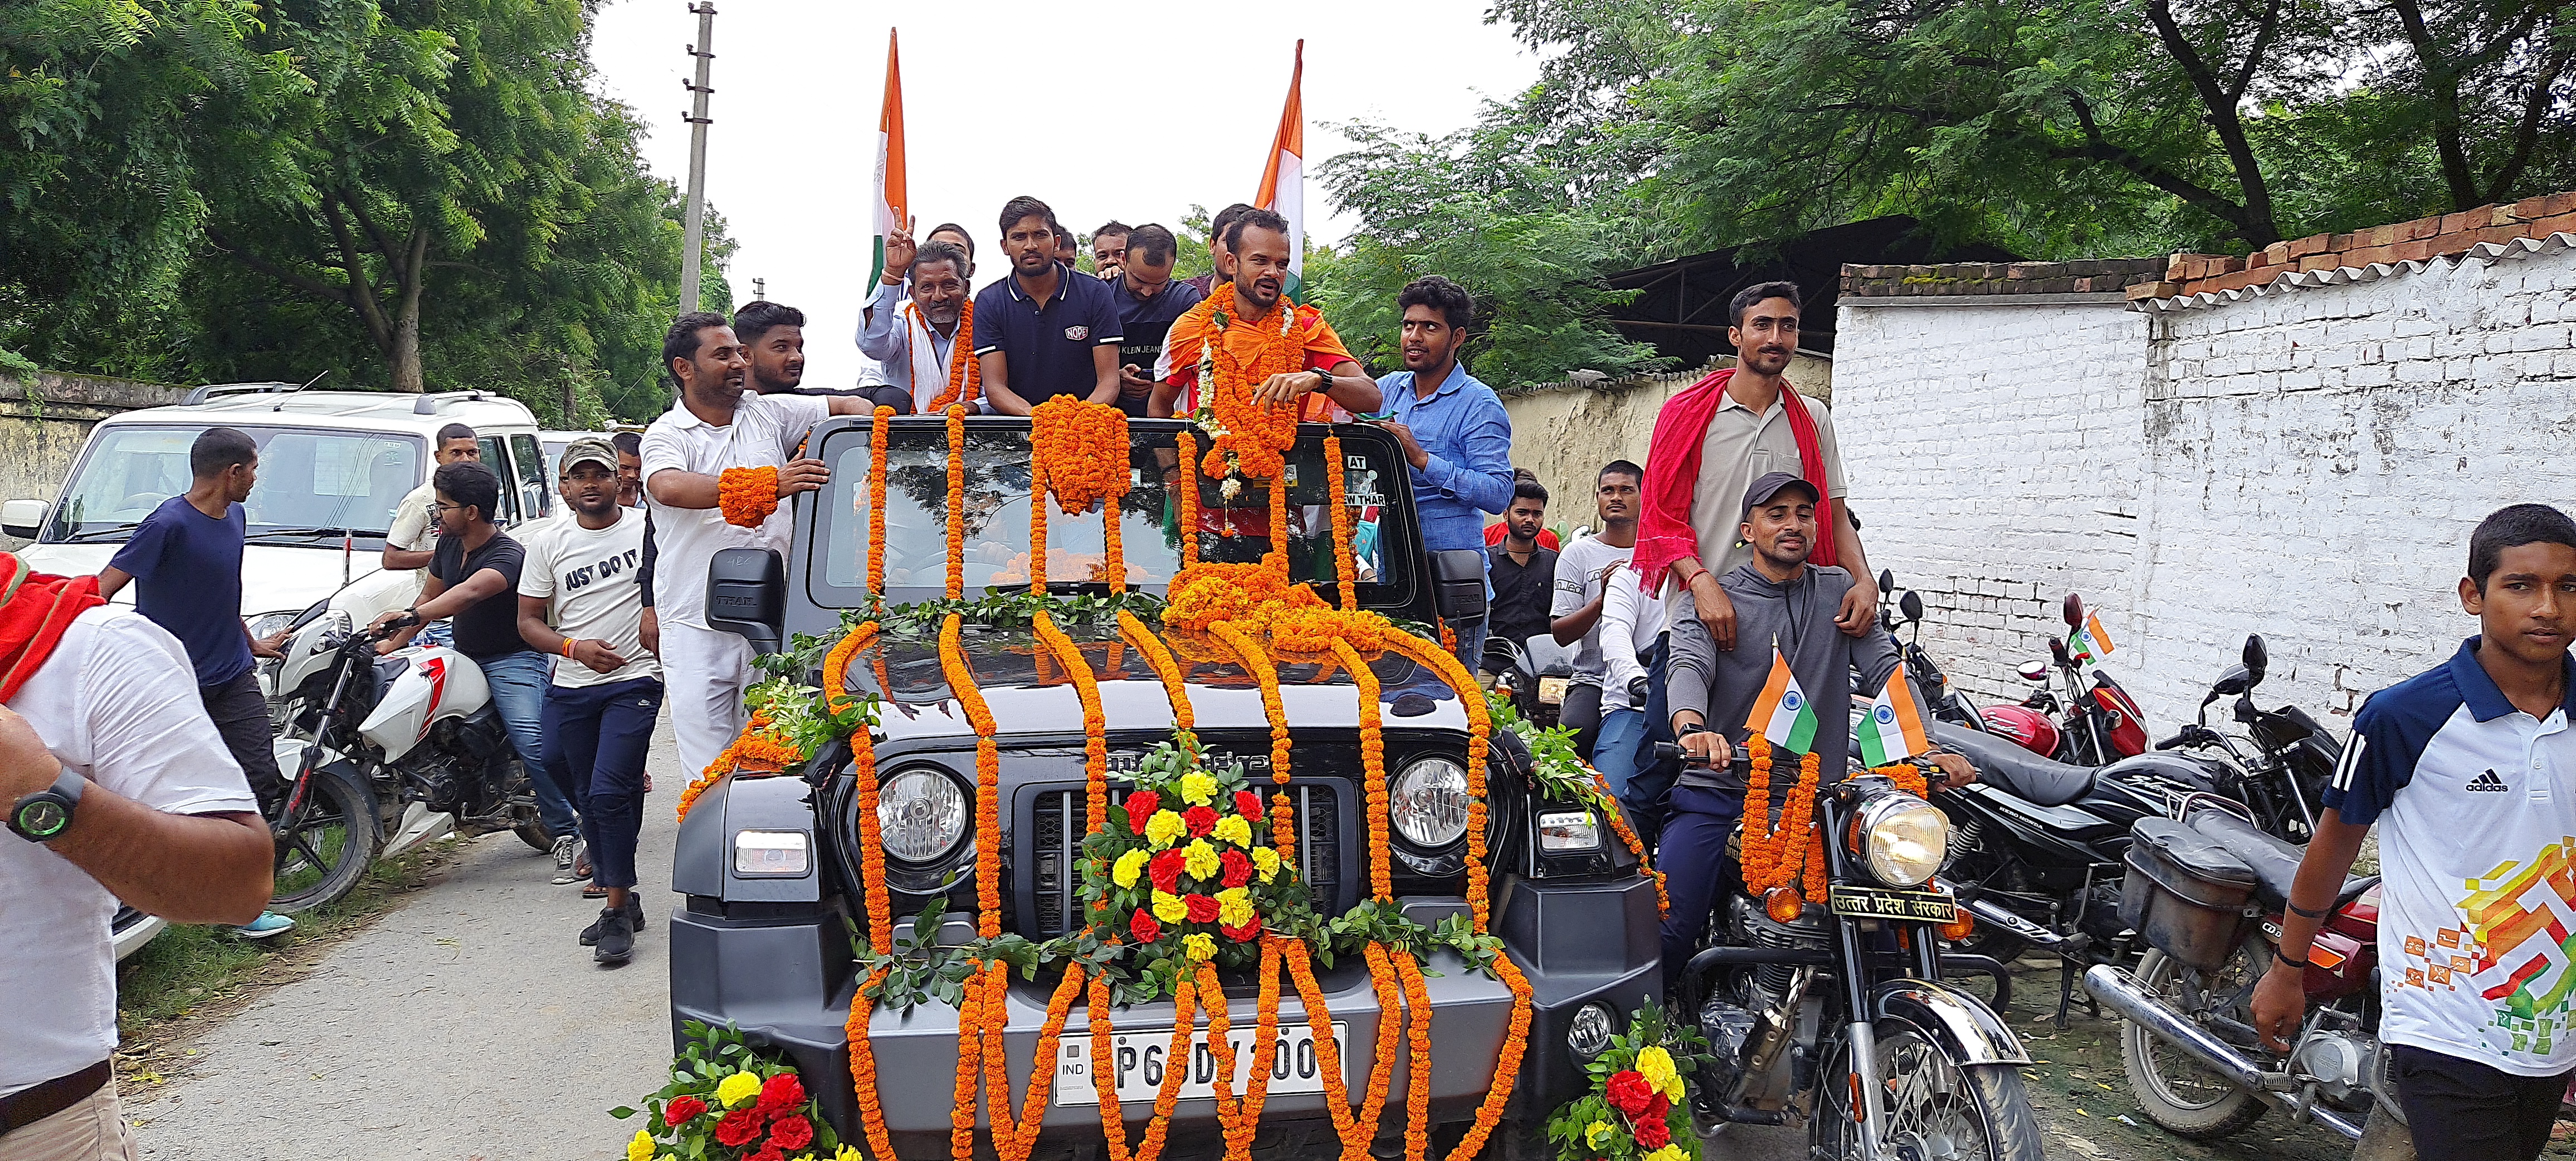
921, 814
1428, 803
1903, 838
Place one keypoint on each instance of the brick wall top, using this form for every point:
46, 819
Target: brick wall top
1963, 279
2422, 240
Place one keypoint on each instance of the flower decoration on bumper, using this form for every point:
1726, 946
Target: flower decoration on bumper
729, 1102
1188, 879
1639, 1106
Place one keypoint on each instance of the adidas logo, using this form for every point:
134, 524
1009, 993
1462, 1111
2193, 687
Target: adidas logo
2487, 781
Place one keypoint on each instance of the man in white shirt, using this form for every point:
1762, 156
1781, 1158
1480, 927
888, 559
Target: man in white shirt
582, 575
912, 326
1576, 610
116, 787
413, 536
713, 426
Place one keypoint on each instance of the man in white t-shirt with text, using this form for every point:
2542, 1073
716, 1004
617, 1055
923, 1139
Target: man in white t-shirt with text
716, 425
117, 787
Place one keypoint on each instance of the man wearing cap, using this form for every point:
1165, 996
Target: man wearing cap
1781, 599
583, 575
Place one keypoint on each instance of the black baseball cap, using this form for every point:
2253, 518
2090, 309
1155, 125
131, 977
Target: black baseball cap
1771, 484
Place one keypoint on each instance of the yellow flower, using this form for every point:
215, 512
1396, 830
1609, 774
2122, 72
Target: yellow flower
1197, 789
1233, 829
1656, 1065
849, 1153
1266, 861
1597, 1132
1200, 945
739, 1087
1234, 907
1164, 828
1200, 860
1130, 865
641, 1148
1170, 908
1667, 1153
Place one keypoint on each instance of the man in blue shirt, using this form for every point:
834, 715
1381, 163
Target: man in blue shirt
185, 561
1453, 428
1148, 300
2469, 769
1045, 330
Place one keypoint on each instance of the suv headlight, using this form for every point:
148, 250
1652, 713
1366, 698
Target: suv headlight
921, 814
1904, 839
1428, 803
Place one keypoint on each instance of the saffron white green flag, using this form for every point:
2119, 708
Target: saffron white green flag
1782, 713
1283, 175
1893, 731
892, 200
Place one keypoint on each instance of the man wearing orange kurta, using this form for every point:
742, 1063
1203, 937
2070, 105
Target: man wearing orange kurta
1332, 386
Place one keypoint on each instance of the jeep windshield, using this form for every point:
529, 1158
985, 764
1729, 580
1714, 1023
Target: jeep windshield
313, 484
997, 463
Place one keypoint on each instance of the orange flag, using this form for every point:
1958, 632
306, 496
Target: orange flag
892, 200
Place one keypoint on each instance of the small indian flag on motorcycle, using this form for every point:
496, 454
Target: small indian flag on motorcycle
1782, 713
1893, 731
2092, 640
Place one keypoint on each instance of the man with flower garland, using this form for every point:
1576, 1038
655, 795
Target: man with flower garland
1328, 383
912, 326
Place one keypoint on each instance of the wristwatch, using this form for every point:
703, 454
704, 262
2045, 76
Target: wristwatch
47, 813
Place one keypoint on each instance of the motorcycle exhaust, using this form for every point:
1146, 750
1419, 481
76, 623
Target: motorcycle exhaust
2119, 991
1996, 915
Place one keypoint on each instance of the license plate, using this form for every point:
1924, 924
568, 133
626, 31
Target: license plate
1143, 1058
1551, 690
1882, 903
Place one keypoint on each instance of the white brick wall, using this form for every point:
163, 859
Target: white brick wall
2306, 464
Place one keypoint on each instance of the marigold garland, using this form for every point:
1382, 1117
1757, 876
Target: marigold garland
988, 777
1507, 1064
1042, 1080
1390, 1033
1283, 817
970, 1050
965, 371
1113, 1123
836, 667
994, 979
755, 749
747, 495
1480, 728
1095, 723
1775, 855
1082, 448
1220, 1048
863, 1066
1345, 568
1277, 557
1628, 837
1250, 435
1189, 487
877, 499
1036, 556
1417, 1079
1249, 596
1158, 657
1373, 768
956, 502
1265, 1054
1907, 776
1328, 1055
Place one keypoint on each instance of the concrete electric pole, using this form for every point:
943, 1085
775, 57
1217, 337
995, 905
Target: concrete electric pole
696, 217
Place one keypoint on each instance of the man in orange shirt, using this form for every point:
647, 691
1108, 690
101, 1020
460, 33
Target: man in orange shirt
1332, 385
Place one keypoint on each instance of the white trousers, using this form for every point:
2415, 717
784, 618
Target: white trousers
704, 673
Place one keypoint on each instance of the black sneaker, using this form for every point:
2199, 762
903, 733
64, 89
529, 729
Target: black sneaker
616, 937
634, 912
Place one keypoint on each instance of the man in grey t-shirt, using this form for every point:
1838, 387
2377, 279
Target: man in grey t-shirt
1575, 613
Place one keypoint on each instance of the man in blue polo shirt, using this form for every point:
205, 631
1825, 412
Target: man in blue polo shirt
1453, 428
2470, 770
1045, 330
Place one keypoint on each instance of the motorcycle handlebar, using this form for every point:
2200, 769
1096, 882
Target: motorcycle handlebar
1672, 752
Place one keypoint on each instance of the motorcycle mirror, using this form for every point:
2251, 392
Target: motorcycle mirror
2074, 611
2235, 681
2034, 672
1911, 604
1886, 580
2257, 658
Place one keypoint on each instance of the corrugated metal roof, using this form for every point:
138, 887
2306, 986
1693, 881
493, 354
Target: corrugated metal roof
2487, 252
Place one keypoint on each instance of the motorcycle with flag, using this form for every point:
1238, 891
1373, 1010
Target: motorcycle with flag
2087, 723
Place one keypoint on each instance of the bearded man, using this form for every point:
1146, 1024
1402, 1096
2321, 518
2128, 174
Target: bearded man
1253, 277
911, 327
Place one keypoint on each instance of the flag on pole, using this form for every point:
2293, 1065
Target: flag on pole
1893, 731
2093, 640
1283, 176
892, 201
1782, 713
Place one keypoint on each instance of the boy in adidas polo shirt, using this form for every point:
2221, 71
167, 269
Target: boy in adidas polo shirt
2470, 770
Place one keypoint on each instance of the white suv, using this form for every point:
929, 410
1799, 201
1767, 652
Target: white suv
332, 467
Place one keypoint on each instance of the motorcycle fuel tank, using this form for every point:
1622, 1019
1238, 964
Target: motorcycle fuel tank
437, 683
2026, 727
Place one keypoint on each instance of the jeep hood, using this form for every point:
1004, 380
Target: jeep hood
1032, 695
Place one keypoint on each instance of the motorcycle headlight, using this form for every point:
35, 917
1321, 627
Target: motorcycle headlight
921, 814
1428, 803
1904, 839
267, 623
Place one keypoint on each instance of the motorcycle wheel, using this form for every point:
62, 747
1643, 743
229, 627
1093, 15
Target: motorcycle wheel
322, 855
521, 794
1937, 1108
2175, 1091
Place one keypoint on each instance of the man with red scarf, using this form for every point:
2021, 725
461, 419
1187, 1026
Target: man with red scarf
1711, 442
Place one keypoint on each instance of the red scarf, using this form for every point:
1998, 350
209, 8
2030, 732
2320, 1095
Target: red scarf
1664, 533
34, 611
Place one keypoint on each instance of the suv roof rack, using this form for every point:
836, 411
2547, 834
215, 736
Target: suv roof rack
210, 390
429, 403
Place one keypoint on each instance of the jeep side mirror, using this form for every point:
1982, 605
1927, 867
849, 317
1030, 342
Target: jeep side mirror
2257, 659
1911, 604
2074, 611
747, 594
22, 518
1459, 577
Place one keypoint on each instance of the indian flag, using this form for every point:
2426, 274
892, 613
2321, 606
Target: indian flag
1283, 177
2093, 640
1893, 731
1782, 713
892, 200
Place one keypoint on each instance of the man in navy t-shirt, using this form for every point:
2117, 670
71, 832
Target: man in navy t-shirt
1045, 330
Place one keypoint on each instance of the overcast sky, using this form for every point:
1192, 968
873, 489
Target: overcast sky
1127, 110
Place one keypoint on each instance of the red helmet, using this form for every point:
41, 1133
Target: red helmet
2028, 728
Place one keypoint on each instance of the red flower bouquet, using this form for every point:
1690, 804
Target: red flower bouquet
727, 1102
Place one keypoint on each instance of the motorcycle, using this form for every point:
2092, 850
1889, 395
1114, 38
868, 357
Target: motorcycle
1534, 674
395, 751
2290, 759
2207, 892
2090, 726
1932, 687
1844, 1003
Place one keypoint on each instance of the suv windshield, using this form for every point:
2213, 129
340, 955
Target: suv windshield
997, 515
312, 484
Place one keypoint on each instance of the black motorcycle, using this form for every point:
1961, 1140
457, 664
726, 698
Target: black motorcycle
2285, 760
1932, 687
1845, 1001
1534, 675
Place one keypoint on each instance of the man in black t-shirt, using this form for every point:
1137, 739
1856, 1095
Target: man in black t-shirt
1523, 574
474, 584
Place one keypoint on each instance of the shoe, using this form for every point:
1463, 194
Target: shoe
578, 867
616, 937
269, 925
634, 911
563, 856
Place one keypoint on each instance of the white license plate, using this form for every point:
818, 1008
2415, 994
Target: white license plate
1143, 1059
1551, 690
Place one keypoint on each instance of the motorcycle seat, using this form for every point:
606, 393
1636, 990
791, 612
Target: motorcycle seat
2275, 861
2042, 781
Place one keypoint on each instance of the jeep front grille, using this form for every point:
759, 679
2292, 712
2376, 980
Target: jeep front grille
1051, 888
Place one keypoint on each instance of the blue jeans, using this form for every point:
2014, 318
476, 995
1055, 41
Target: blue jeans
519, 681
1623, 731
600, 733
1471, 643
1697, 873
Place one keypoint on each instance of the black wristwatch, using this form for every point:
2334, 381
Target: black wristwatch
47, 813
1693, 728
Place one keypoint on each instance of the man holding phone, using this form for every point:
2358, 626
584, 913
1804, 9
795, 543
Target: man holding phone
1148, 300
